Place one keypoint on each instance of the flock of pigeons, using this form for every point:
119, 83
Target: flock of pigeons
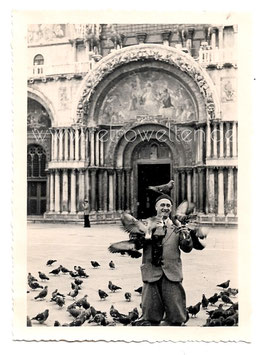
80, 309
82, 312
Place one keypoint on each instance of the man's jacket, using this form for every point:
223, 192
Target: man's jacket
171, 258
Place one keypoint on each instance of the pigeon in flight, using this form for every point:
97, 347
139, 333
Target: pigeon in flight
163, 189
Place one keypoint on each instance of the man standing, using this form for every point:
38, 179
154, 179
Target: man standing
86, 214
161, 269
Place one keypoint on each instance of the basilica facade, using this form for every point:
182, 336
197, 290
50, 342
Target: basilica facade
113, 109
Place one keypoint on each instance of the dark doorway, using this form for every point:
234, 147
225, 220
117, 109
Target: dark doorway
36, 202
150, 175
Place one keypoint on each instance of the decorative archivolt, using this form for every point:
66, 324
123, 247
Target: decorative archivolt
142, 52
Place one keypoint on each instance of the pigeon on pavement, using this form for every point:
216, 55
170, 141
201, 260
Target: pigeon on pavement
127, 296
55, 271
112, 265
232, 291
95, 264
204, 301
102, 294
194, 310
34, 285
42, 276
42, 293
224, 284
50, 262
41, 317
139, 290
113, 287
213, 299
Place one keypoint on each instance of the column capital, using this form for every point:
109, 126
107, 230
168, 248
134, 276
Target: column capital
128, 170
110, 171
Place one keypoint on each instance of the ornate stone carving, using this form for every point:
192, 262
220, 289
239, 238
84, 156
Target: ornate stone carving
170, 55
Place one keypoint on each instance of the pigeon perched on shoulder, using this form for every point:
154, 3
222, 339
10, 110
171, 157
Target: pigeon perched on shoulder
102, 294
42, 293
139, 290
127, 296
111, 265
42, 276
163, 189
50, 262
113, 287
41, 317
224, 284
95, 264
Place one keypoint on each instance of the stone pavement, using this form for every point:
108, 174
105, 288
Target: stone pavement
73, 245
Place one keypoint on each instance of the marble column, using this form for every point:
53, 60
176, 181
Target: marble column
100, 190
220, 192
52, 144
215, 140
66, 144
128, 189
82, 144
208, 140
87, 157
183, 183
93, 189
73, 192
55, 146
119, 187
101, 151
221, 140
213, 38
57, 191
111, 190
227, 136
211, 190
60, 145
194, 188
97, 150
92, 146
87, 184
65, 192
76, 144
176, 188
48, 192
230, 192
201, 190
71, 145
221, 47
81, 189
234, 140
189, 186
105, 190
51, 192
123, 189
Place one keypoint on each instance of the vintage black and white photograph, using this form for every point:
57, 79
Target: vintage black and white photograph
131, 194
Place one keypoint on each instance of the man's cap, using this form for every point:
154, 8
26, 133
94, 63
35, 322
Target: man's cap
164, 196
